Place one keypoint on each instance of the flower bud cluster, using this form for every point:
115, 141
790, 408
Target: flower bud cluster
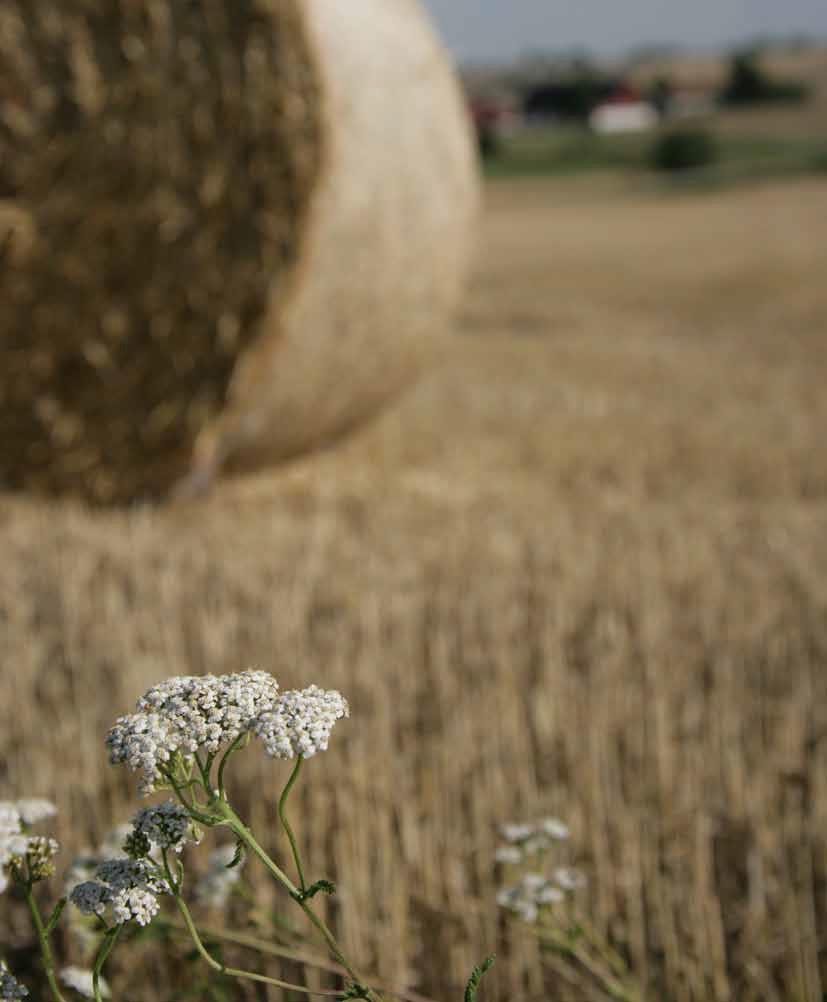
215, 887
10, 987
167, 826
301, 722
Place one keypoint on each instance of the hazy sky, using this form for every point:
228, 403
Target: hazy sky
502, 29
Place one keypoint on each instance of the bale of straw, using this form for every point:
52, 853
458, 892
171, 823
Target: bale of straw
235, 223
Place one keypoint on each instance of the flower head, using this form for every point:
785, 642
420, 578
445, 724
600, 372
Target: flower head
301, 722
79, 979
129, 886
40, 853
508, 854
185, 714
569, 879
35, 809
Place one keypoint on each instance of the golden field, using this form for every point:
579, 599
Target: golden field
581, 570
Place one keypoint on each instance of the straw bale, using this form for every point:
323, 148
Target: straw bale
230, 222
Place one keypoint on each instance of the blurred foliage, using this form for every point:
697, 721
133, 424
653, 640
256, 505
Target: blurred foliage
750, 84
684, 149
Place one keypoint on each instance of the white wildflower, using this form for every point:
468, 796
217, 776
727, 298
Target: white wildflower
301, 722
79, 979
569, 879
555, 828
209, 711
90, 897
136, 904
129, 886
187, 713
166, 825
525, 898
516, 832
549, 895
144, 742
214, 888
534, 881
527, 910
508, 854
10, 987
35, 809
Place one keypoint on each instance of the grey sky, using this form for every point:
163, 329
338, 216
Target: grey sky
502, 29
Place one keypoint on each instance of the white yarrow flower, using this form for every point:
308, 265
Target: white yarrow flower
79, 979
188, 713
135, 904
301, 722
128, 886
508, 854
35, 809
516, 832
569, 879
555, 828
549, 895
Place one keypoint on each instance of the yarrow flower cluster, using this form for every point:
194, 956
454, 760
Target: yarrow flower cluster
301, 722
185, 714
33, 810
129, 887
17, 847
533, 892
215, 887
529, 839
10, 987
79, 979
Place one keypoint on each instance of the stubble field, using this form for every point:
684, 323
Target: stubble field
581, 570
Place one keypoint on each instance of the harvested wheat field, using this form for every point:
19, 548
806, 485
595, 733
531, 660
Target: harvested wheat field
581, 571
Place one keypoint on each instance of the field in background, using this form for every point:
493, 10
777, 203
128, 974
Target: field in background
768, 140
581, 570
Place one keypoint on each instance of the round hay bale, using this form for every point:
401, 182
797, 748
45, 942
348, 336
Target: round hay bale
231, 230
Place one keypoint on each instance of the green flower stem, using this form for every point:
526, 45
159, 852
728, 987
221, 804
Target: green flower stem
225, 759
43, 939
612, 985
235, 972
55, 916
193, 811
106, 948
262, 946
247, 837
286, 825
